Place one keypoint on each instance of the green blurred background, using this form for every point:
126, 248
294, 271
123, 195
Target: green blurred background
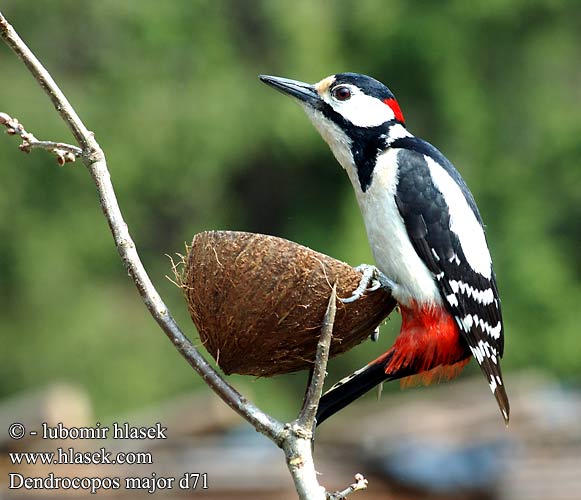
194, 141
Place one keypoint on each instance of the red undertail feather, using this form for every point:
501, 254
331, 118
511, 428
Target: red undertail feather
428, 347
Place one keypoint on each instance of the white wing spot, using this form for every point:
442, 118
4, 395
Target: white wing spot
478, 354
468, 321
484, 347
452, 300
436, 256
454, 259
493, 384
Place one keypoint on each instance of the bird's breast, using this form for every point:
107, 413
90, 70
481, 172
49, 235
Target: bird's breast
392, 248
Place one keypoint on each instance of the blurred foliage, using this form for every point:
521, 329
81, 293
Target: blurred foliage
195, 141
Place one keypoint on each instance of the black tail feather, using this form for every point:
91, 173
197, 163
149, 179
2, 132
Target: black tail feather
351, 388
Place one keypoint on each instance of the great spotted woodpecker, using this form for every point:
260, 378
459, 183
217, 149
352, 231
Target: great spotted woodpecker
426, 235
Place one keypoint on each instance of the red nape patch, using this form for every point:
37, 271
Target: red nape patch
429, 343
392, 103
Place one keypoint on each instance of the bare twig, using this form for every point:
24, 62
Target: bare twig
306, 417
359, 484
65, 153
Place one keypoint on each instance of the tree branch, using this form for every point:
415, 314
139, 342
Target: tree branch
65, 153
359, 484
306, 417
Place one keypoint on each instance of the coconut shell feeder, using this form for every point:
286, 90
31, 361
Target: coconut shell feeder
258, 302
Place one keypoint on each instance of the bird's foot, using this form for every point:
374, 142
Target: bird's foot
372, 279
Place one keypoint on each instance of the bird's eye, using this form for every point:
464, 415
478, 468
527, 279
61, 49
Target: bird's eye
341, 93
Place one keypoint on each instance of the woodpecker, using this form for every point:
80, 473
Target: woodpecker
426, 235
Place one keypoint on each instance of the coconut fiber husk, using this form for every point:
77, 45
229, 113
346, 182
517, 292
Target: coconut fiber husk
258, 302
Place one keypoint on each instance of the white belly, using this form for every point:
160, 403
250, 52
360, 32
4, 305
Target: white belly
392, 249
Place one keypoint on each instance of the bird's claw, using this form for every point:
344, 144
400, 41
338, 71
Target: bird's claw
372, 279
367, 279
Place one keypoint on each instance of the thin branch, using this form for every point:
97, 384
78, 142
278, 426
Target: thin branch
307, 415
359, 484
299, 451
94, 159
65, 153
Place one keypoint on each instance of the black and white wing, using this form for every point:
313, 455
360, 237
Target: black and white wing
446, 230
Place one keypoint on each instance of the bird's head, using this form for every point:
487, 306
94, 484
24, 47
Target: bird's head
351, 111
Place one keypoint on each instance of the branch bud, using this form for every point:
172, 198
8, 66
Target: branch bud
60, 157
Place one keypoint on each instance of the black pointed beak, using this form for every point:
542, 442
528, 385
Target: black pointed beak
304, 92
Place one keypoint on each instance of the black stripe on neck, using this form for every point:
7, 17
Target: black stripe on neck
366, 143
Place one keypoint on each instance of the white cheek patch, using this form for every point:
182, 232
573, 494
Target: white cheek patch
362, 110
463, 222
